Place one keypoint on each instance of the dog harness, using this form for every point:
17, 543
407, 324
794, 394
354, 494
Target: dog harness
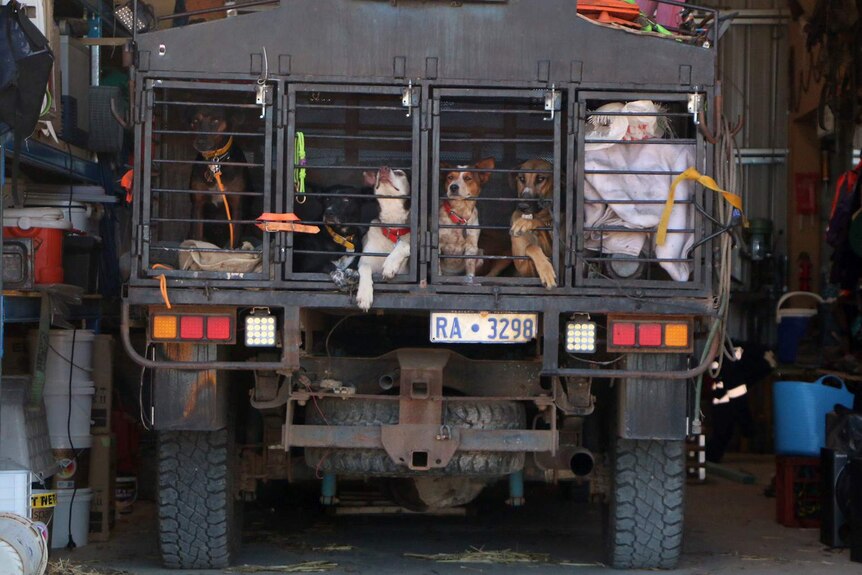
456, 219
393, 234
346, 242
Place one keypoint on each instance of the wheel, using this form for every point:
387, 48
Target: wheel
376, 462
199, 524
645, 517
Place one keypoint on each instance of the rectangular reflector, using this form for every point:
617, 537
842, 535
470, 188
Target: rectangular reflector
649, 334
165, 327
218, 328
192, 327
623, 334
676, 335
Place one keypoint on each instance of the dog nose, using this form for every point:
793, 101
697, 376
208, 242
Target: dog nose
384, 170
527, 193
454, 188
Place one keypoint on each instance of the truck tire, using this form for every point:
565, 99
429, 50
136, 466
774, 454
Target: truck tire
376, 462
198, 517
645, 517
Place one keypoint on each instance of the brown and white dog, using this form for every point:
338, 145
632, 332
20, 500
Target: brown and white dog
393, 238
536, 190
462, 186
215, 146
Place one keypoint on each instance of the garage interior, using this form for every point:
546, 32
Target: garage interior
773, 467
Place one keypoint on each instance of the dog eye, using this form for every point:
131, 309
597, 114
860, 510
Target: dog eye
522, 179
398, 172
541, 179
468, 178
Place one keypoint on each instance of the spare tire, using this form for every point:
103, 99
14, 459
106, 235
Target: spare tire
377, 463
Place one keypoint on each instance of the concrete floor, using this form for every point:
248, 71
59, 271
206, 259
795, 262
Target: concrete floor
730, 528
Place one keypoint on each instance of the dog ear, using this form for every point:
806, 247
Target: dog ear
369, 178
486, 164
445, 166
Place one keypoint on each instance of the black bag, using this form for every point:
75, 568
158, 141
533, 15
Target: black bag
25, 66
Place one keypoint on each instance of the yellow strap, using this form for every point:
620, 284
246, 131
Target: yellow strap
163, 283
705, 181
346, 242
220, 152
299, 172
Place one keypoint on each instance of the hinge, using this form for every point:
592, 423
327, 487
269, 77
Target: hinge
280, 255
573, 124
409, 98
149, 98
143, 236
281, 117
428, 242
425, 123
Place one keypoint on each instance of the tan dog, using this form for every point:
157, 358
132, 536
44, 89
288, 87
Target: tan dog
536, 190
462, 186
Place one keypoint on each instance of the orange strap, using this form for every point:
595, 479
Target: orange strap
163, 283
217, 174
270, 222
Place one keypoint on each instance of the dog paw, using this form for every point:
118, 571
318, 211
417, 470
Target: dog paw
364, 297
469, 279
522, 226
344, 279
390, 269
548, 278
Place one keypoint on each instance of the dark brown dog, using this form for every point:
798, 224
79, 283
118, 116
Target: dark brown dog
535, 189
213, 198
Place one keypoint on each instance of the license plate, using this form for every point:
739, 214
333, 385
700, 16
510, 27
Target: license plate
483, 327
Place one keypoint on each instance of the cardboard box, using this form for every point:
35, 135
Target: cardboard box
103, 380
103, 472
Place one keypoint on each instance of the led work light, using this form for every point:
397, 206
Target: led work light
260, 329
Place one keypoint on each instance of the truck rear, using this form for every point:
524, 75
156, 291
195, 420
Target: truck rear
265, 367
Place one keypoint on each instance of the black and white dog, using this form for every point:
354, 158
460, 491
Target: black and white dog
392, 238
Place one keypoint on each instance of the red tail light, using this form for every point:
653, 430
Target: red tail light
665, 333
649, 334
192, 327
193, 323
219, 328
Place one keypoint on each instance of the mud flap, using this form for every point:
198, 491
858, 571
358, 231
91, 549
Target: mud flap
189, 400
653, 408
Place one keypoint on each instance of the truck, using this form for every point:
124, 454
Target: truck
263, 370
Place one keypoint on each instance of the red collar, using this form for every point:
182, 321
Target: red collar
394, 233
456, 219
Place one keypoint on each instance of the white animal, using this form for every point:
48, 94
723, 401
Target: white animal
393, 238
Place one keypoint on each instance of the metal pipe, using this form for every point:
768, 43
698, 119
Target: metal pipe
581, 462
387, 380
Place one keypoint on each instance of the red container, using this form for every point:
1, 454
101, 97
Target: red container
46, 227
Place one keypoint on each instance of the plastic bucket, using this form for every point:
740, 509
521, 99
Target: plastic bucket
125, 493
42, 503
792, 325
80, 215
800, 413
57, 364
73, 467
23, 549
59, 405
45, 226
78, 510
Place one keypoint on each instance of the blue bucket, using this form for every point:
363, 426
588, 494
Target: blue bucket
800, 413
792, 325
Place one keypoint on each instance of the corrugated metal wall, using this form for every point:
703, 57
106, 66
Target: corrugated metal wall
755, 85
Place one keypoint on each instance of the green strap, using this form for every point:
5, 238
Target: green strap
299, 160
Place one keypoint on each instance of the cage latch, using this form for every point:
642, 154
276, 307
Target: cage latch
408, 99
695, 106
553, 102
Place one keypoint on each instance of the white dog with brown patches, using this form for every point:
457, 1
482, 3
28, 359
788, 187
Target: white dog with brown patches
462, 186
392, 238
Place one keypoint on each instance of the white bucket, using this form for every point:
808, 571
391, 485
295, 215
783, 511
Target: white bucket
28, 218
82, 215
23, 550
58, 407
57, 366
80, 512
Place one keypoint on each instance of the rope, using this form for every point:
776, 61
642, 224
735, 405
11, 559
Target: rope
299, 173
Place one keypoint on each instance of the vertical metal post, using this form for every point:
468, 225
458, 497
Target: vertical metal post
328, 489
94, 31
516, 489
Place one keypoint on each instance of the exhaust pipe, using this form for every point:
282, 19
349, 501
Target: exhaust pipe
581, 462
387, 380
